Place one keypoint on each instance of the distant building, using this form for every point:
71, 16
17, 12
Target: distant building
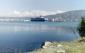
58, 19
55, 20
50, 19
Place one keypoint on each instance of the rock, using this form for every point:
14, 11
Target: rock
47, 44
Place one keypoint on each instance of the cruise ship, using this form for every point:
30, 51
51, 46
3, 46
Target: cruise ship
38, 19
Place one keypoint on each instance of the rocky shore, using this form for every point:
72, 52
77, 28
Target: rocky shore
77, 46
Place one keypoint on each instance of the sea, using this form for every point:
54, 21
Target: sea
21, 37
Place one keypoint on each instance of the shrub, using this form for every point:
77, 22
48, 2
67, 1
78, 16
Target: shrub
82, 28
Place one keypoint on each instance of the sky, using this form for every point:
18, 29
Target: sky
38, 7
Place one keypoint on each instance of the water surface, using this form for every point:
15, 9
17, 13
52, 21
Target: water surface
23, 37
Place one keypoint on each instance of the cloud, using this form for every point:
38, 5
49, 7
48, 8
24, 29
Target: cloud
32, 13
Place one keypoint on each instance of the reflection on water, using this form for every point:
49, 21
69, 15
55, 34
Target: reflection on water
28, 36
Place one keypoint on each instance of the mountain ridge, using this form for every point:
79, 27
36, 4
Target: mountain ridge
69, 15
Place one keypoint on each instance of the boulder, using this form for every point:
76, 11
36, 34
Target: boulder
47, 44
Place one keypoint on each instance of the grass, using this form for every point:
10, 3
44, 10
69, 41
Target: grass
77, 46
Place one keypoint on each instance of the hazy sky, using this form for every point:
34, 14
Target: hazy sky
16, 6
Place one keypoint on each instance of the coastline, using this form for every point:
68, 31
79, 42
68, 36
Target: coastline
77, 46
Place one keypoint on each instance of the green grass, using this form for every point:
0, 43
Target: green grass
70, 47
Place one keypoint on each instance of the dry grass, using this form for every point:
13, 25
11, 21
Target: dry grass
70, 47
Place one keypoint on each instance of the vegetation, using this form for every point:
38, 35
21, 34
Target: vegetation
70, 47
82, 28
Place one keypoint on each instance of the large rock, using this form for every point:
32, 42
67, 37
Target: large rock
47, 44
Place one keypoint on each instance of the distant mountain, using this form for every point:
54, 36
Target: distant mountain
74, 15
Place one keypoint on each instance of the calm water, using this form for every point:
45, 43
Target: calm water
22, 37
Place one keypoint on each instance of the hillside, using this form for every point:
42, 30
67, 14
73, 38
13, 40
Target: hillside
74, 15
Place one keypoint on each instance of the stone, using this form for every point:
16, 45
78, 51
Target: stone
47, 44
